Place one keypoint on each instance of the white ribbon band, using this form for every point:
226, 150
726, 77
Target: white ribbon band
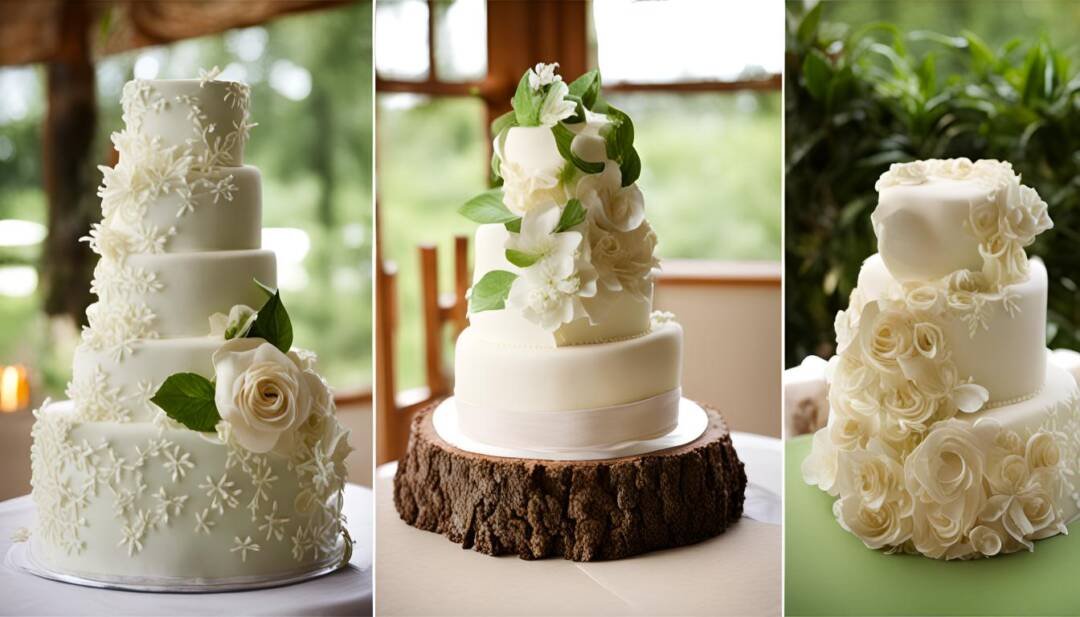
581, 428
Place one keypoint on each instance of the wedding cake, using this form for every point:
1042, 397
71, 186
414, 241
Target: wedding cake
564, 362
950, 434
198, 447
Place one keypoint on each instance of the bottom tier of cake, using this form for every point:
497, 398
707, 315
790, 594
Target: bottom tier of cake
976, 485
580, 510
158, 502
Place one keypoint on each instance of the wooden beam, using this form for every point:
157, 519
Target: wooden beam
68, 172
771, 83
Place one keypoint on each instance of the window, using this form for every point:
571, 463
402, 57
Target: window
706, 112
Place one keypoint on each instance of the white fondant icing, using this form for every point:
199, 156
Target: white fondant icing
498, 377
978, 347
691, 422
225, 214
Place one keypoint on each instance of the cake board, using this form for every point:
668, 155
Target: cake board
828, 571
579, 510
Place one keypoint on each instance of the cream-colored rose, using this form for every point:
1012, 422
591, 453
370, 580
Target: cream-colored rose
1040, 513
821, 467
611, 206
877, 478
944, 475
1042, 451
849, 432
528, 189
984, 218
1009, 475
985, 541
624, 260
848, 375
926, 298
929, 340
885, 336
1010, 442
876, 527
264, 394
909, 406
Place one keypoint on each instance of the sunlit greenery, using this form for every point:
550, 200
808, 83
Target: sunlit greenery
947, 79
315, 157
710, 176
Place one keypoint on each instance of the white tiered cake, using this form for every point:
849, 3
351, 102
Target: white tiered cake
950, 434
565, 370
197, 448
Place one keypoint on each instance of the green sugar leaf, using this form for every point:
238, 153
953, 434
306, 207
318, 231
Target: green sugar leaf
490, 292
527, 103
563, 139
503, 122
273, 325
630, 167
188, 398
572, 215
587, 88
487, 207
513, 226
521, 259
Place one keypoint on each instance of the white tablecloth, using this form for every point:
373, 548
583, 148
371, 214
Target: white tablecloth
345, 592
735, 573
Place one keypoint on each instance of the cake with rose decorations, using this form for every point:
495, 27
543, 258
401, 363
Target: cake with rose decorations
951, 432
567, 382
199, 448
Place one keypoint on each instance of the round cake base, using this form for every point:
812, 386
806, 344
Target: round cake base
580, 510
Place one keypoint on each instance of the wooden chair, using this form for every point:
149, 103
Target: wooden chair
394, 410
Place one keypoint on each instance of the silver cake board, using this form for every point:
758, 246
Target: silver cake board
20, 557
692, 422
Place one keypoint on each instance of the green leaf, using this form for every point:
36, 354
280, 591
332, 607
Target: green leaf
521, 259
563, 138
618, 135
490, 292
514, 225
808, 28
503, 122
487, 207
587, 87
526, 103
269, 291
816, 74
572, 215
630, 168
579, 110
273, 325
188, 398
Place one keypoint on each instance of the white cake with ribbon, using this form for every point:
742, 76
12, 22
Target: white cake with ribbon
950, 433
198, 447
567, 383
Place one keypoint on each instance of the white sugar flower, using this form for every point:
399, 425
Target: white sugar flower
555, 107
612, 206
525, 189
234, 325
264, 394
108, 242
543, 74
624, 260
538, 237
208, 76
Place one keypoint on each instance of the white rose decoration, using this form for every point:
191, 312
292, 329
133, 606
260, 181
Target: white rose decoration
264, 394
613, 207
525, 190
1042, 451
985, 541
877, 528
944, 475
885, 336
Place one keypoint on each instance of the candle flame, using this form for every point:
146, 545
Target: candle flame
14, 389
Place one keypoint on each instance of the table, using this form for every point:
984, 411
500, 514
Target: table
345, 592
829, 572
736, 573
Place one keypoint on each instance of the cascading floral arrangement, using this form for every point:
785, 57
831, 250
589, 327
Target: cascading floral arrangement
577, 231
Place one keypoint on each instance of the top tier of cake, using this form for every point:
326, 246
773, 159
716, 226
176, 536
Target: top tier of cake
572, 254
937, 217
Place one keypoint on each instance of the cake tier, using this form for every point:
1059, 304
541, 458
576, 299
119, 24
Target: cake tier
1006, 353
141, 500
209, 117
626, 317
194, 286
572, 397
103, 387
230, 220
921, 228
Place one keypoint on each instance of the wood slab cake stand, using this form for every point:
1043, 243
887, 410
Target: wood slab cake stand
579, 510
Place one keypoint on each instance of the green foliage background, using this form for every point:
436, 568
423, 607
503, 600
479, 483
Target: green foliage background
863, 94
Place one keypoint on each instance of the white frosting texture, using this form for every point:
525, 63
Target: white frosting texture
945, 423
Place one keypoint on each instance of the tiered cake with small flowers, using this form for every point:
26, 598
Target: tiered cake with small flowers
198, 448
950, 433
567, 383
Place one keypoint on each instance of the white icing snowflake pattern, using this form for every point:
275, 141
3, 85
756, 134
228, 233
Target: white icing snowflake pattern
243, 547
